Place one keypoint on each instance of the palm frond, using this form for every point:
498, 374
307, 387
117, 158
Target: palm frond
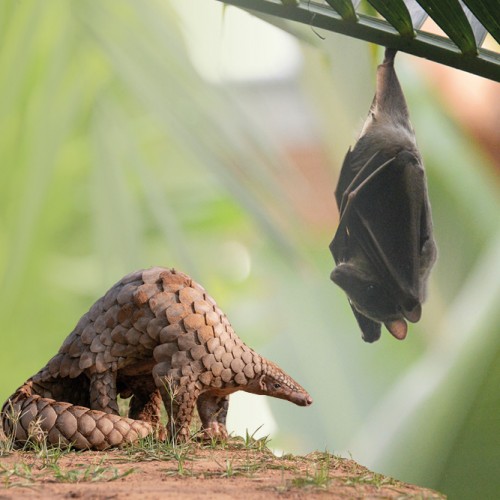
398, 26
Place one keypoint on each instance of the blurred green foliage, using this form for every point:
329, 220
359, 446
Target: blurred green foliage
116, 155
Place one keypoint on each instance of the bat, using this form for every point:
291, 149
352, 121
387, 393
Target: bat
384, 247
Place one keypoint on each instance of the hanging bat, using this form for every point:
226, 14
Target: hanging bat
384, 247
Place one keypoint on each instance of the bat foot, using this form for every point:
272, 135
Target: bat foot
389, 55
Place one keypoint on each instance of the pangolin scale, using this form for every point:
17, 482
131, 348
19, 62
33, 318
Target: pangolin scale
156, 336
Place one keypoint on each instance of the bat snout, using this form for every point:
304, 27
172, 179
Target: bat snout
413, 314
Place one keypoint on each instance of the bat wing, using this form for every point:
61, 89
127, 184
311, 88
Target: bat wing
347, 175
353, 180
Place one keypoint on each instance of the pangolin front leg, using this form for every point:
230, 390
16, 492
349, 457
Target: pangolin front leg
179, 394
212, 409
180, 404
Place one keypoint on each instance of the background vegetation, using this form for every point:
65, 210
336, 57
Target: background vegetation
116, 154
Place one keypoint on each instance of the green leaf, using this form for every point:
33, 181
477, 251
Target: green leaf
478, 29
418, 15
396, 14
344, 8
450, 17
487, 11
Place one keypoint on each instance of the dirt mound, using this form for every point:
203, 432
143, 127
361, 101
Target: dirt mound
150, 470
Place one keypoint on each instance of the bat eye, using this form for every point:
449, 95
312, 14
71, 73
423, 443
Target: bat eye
276, 385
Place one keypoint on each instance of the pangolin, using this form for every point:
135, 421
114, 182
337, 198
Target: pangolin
155, 336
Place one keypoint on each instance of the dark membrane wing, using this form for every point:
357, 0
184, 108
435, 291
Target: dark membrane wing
353, 180
385, 222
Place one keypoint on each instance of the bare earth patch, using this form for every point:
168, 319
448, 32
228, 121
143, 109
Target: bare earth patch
151, 470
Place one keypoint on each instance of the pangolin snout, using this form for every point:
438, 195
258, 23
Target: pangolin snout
301, 399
